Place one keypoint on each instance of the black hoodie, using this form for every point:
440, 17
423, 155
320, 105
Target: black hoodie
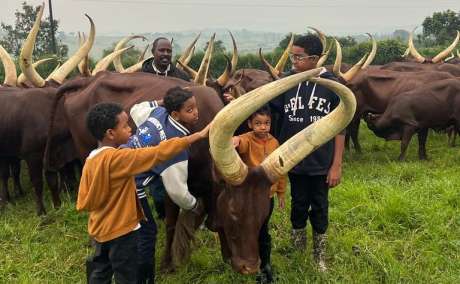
173, 71
300, 107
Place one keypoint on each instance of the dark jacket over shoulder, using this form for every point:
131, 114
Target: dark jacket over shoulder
173, 71
299, 107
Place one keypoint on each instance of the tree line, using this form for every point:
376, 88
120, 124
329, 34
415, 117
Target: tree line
438, 32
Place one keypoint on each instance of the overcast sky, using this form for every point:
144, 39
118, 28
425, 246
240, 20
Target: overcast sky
336, 17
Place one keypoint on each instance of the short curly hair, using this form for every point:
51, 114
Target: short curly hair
102, 117
264, 110
310, 43
175, 99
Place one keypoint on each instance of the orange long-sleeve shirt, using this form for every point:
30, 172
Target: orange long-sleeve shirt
253, 151
107, 188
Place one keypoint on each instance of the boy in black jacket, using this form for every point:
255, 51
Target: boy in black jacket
322, 169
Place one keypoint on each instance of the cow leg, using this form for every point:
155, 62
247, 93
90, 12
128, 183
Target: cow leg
35, 165
422, 135
171, 212
354, 130
68, 179
224, 248
5, 172
407, 133
53, 184
16, 172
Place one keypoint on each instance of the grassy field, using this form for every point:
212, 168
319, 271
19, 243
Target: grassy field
391, 222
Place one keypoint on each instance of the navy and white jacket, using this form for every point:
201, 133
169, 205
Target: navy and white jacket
152, 129
300, 107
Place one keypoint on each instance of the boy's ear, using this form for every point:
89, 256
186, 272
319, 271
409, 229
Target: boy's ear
175, 114
249, 124
109, 133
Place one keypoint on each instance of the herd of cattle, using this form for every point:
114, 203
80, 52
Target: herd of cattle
42, 122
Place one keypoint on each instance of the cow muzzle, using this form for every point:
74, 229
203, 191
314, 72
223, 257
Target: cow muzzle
245, 267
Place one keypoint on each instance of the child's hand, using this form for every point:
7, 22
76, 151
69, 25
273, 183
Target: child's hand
281, 202
228, 97
205, 131
199, 135
236, 141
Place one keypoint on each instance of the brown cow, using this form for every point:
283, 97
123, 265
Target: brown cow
435, 105
26, 113
77, 96
374, 88
243, 203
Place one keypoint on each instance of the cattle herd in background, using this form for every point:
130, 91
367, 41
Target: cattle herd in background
42, 120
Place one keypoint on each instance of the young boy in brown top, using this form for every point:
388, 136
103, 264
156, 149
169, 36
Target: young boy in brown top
108, 192
254, 147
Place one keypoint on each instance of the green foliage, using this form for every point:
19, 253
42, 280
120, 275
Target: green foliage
15, 35
346, 41
219, 47
390, 222
442, 26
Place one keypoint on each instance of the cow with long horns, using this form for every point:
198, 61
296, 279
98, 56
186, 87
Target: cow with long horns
26, 113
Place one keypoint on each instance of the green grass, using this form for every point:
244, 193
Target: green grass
390, 222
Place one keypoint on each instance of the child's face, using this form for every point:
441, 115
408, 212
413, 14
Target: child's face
188, 113
260, 124
122, 131
302, 61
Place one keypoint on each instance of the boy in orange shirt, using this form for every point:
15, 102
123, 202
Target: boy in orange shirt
254, 147
108, 191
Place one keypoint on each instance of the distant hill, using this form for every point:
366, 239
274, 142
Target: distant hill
247, 41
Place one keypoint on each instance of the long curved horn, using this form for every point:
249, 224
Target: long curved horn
104, 63
25, 57
285, 157
371, 56
223, 79
447, 51
458, 53
418, 57
11, 76
22, 78
202, 73
189, 57
142, 56
188, 69
324, 57
227, 160
83, 66
284, 57
187, 52
60, 75
272, 71
338, 64
117, 60
321, 35
138, 66
406, 53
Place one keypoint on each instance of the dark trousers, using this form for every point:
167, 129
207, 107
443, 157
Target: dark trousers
309, 199
265, 240
158, 191
146, 244
116, 257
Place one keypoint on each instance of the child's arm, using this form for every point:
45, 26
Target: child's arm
241, 143
130, 162
281, 191
175, 181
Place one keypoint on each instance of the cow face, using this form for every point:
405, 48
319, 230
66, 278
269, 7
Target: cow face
375, 122
241, 212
